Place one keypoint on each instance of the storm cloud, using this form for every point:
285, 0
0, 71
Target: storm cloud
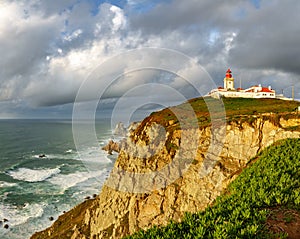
49, 48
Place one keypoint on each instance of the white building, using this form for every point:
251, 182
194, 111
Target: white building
256, 91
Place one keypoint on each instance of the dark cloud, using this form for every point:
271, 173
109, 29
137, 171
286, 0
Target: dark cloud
50, 7
49, 48
191, 14
246, 35
269, 38
24, 43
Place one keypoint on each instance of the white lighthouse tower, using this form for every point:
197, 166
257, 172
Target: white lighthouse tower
228, 81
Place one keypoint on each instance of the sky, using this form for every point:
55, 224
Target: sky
49, 48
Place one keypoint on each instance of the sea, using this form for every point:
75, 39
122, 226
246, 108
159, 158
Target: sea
42, 175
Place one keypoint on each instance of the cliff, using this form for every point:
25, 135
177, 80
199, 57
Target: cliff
158, 176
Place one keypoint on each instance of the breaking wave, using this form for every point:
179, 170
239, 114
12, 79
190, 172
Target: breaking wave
33, 175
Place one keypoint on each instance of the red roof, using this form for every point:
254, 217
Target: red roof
264, 89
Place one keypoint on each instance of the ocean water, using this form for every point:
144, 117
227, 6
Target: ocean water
33, 189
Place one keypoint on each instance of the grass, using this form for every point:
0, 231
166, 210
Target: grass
199, 111
233, 109
271, 181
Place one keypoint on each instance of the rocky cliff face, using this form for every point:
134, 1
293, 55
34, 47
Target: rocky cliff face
197, 175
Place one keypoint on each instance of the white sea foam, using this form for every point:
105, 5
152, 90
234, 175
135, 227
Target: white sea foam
89, 154
93, 154
33, 175
66, 181
19, 215
102, 143
38, 156
6, 184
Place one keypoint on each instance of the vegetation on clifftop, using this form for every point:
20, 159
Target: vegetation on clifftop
233, 109
271, 182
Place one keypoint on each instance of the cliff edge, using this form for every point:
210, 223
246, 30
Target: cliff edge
203, 167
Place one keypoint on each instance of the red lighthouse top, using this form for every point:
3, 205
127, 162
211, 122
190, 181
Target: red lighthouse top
228, 73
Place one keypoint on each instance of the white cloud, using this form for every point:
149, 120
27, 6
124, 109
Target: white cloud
49, 48
24, 41
75, 34
119, 20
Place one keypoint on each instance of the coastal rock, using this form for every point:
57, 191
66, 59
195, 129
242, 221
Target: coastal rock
289, 123
120, 130
133, 126
111, 147
191, 185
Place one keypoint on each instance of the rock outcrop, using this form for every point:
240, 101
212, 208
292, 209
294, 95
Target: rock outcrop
120, 130
181, 175
111, 147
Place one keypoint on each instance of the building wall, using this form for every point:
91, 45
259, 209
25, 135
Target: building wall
228, 83
236, 94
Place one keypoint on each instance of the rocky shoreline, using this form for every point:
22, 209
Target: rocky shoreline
117, 211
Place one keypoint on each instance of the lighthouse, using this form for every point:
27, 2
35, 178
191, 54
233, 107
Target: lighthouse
256, 91
228, 81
